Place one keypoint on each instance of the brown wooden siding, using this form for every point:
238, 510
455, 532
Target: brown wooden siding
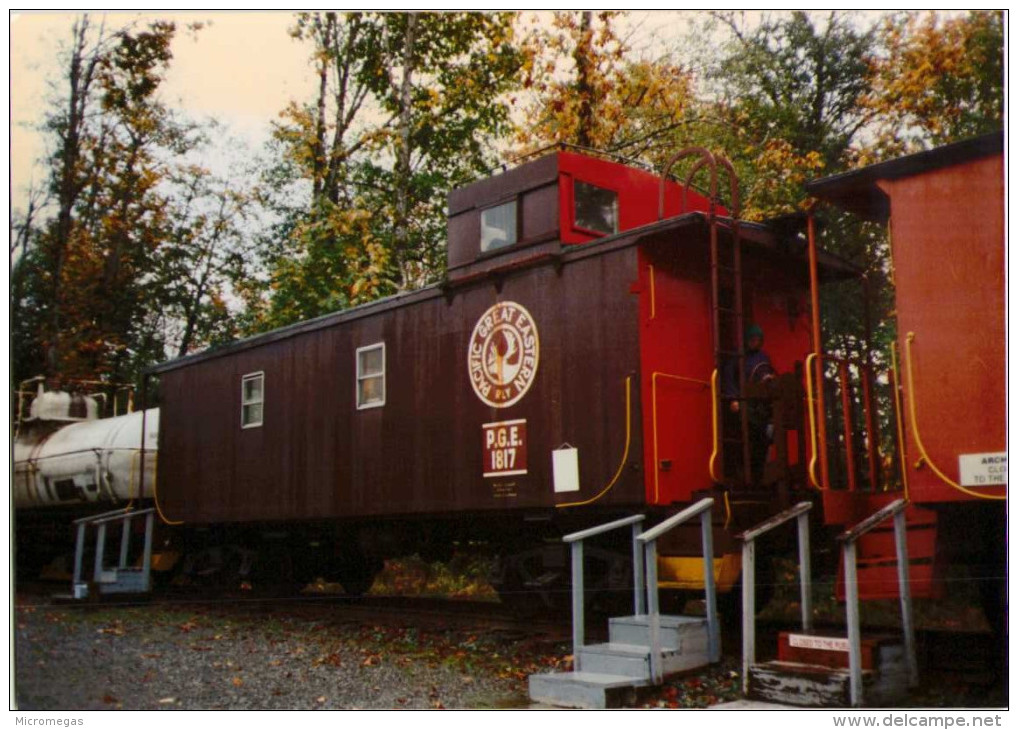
318, 457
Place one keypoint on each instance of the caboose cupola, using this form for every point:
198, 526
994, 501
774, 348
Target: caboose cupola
533, 210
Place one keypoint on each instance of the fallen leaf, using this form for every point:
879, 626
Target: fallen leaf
110, 699
167, 700
321, 699
237, 681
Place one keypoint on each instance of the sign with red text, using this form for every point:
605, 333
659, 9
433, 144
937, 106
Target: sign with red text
505, 448
825, 643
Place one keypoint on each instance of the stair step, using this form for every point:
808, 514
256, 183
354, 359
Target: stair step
585, 690
684, 633
803, 685
813, 685
629, 660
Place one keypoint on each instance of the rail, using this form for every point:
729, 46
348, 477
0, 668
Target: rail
917, 438
649, 541
575, 541
800, 513
849, 538
815, 381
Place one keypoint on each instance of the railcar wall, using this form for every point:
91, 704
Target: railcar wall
317, 456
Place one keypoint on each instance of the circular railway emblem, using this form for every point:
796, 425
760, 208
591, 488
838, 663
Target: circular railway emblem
503, 354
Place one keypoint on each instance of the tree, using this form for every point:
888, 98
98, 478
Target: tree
585, 87
96, 282
790, 90
406, 107
937, 81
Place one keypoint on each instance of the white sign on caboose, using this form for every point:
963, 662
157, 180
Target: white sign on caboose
979, 470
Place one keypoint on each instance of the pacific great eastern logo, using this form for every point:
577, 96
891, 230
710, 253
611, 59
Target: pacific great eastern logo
503, 354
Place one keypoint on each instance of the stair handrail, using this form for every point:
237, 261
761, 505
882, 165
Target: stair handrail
100, 521
848, 538
800, 513
575, 542
649, 541
91, 518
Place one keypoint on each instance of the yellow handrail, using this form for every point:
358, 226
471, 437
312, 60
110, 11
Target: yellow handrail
712, 462
814, 454
653, 406
900, 426
625, 454
918, 440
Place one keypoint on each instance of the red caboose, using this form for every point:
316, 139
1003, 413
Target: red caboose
945, 213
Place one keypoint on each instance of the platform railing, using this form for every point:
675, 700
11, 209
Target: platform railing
575, 541
649, 541
125, 516
800, 513
849, 538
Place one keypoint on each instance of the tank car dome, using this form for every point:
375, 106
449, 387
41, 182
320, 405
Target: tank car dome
61, 406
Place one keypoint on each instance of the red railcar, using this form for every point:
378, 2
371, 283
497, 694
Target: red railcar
944, 210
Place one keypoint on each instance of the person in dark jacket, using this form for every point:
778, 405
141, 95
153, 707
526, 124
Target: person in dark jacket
758, 369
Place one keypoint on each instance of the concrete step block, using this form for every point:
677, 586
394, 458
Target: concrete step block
584, 690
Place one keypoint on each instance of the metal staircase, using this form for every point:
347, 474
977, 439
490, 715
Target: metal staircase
643, 648
818, 669
125, 577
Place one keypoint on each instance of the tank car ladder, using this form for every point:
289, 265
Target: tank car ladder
727, 312
643, 648
123, 578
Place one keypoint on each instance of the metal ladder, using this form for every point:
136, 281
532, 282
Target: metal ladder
725, 274
123, 578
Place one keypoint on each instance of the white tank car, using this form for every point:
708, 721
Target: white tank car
89, 461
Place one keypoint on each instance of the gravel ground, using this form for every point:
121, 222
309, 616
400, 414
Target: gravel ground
253, 655
217, 657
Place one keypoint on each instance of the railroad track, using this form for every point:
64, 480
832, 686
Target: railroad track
429, 612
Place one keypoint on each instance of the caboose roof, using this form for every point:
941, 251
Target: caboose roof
692, 226
857, 191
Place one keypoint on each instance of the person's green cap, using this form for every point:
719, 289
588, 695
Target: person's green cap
754, 330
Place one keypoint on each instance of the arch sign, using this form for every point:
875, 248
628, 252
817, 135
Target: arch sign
503, 354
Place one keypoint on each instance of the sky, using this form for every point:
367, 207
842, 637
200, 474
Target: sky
242, 68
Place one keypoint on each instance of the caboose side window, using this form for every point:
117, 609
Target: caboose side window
252, 399
595, 209
371, 376
498, 226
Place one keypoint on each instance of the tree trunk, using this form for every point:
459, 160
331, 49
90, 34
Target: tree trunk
403, 172
584, 88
